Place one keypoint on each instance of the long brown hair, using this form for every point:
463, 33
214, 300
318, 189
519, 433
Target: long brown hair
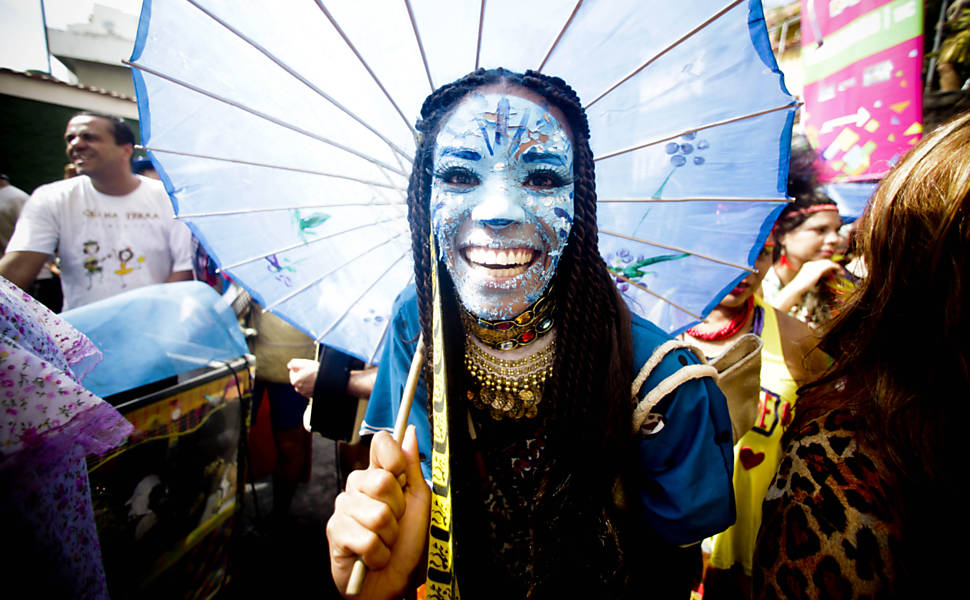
587, 403
901, 345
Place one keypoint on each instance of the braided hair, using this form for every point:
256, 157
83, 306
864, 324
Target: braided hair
586, 404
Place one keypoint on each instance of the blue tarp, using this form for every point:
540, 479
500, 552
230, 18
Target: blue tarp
155, 332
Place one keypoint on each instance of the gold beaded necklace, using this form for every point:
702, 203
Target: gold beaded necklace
508, 388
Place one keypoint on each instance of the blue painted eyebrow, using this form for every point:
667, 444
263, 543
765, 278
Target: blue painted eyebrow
463, 153
548, 158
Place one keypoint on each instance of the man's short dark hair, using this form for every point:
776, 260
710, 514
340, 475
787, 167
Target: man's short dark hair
119, 127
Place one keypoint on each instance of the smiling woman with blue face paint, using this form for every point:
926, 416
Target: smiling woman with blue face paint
502, 199
548, 490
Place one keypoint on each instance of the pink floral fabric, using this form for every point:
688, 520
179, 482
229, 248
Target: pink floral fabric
49, 423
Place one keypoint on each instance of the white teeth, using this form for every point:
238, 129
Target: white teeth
503, 272
519, 257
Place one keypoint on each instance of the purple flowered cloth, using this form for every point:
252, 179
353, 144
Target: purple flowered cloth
49, 423
42, 362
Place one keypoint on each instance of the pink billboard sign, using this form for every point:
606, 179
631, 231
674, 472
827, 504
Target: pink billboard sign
863, 87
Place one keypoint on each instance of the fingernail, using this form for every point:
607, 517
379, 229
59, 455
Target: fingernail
402, 479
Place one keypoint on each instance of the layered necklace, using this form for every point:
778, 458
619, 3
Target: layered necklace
510, 389
728, 330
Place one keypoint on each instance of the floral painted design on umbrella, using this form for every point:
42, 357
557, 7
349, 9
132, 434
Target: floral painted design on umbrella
278, 267
626, 270
374, 317
308, 223
679, 153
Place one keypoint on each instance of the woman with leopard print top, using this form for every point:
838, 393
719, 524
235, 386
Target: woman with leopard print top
864, 502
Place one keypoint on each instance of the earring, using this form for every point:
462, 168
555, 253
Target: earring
784, 260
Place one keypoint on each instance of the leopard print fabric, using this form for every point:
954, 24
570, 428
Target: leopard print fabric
828, 529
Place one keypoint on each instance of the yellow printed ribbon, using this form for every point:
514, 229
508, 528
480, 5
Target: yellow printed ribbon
441, 583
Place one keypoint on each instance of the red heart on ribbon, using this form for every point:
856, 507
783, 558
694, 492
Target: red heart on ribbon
750, 459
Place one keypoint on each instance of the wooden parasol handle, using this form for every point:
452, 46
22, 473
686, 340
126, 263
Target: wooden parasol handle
357, 575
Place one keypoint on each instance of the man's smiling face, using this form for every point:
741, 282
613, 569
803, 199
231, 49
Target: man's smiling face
90, 145
502, 198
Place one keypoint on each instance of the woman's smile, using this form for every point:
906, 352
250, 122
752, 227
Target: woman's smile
499, 263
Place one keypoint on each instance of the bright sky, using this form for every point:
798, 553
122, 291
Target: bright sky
22, 44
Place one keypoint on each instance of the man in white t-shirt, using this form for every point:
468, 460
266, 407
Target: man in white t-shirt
112, 230
12, 201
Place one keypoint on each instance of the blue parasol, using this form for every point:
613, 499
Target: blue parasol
284, 137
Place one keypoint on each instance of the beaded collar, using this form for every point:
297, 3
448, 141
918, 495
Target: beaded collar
514, 333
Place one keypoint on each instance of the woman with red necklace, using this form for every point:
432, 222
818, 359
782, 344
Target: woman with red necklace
788, 360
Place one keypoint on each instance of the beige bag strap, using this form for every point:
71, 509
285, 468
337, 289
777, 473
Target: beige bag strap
739, 377
669, 384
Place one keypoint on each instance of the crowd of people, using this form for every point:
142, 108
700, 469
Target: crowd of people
840, 480
796, 443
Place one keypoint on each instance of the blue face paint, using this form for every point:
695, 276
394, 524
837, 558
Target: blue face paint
464, 154
502, 200
548, 158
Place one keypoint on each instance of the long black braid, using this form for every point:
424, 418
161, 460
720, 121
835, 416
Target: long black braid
587, 402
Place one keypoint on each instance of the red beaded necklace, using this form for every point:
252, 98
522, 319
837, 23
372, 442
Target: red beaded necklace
728, 330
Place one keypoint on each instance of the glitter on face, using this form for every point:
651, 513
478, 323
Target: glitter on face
502, 200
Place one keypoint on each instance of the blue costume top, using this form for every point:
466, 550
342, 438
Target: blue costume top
685, 466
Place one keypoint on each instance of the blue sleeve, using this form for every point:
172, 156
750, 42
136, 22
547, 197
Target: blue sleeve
392, 374
686, 467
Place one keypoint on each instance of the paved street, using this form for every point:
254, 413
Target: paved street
272, 561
